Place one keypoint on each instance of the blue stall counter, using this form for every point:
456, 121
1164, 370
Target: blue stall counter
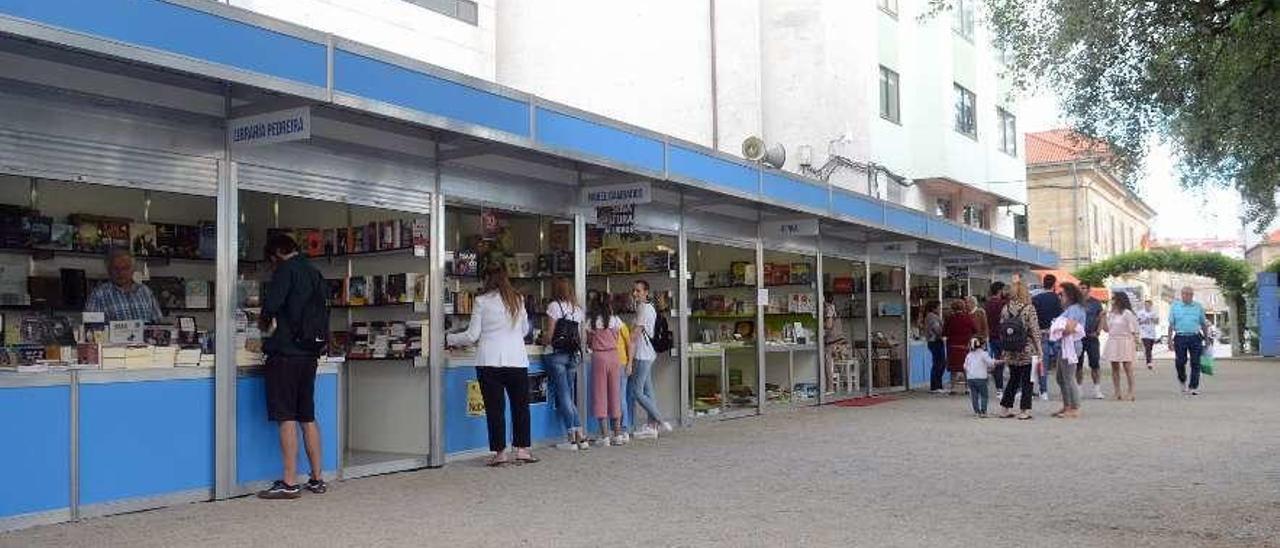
258, 439
35, 462
146, 438
465, 429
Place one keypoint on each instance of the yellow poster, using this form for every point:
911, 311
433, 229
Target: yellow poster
475, 401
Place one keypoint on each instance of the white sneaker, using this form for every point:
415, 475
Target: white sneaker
1044, 396
665, 426
646, 433
602, 441
1097, 393
567, 446
619, 440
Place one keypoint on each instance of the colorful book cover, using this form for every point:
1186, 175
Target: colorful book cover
144, 239
358, 291
62, 236
38, 229
421, 237
88, 237
336, 294
388, 233
312, 242
356, 240
420, 288
397, 288
801, 274
115, 233
197, 295
168, 291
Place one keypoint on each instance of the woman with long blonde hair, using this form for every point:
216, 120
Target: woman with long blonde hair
1019, 346
562, 333
498, 326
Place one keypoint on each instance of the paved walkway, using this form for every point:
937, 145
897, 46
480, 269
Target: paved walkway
1167, 470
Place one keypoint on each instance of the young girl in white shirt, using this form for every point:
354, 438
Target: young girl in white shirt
977, 364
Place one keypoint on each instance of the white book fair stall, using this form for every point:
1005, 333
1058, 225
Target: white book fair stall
136, 160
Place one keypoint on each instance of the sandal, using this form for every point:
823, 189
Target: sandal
529, 459
497, 462
1024, 417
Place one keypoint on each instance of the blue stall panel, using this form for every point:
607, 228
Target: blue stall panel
788, 190
864, 210
258, 439
977, 239
571, 133
145, 438
698, 166
393, 84
904, 221
945, 231
35, 449
1003, 246
190, 32
463, 432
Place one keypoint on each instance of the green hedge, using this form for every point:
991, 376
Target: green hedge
1233, 275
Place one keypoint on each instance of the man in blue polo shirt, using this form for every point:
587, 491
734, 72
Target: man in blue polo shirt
1187, 332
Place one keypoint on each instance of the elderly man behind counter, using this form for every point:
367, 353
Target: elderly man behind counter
121, 298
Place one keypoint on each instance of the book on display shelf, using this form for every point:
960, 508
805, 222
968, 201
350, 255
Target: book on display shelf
377, 290
312, 242
207, 248
197, 293
336, 290
168, 291
39, 230
143, 236
371, 237
358, 291
62, 237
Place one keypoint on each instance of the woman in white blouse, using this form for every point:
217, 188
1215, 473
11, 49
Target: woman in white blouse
498, 326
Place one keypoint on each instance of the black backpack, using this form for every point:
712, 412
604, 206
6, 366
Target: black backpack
566, 337
311, 331
1013, 332
662, 339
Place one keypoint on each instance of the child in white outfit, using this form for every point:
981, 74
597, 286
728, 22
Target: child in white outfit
976, 367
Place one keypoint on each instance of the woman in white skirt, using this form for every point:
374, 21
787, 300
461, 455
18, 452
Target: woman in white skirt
1122, 326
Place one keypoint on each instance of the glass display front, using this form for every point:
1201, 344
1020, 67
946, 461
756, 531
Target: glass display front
723, 366
886, 350
845, 285
791, 324
374, 262
615, 262
105, 277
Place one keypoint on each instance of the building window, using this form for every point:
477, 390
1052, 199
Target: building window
889, 98
962, 18
888, 6
1008, 131
966, 122
1097, 229
1021, 229
942, 208
462, 10
975, 215
1112, 221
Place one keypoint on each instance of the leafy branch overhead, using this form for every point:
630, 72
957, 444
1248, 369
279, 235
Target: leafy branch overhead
1201, 75
1233, 275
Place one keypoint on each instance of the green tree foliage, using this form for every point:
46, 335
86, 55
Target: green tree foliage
1233, 275
1201, 75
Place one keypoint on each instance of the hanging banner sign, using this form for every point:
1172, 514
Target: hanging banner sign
961, 260
888, 248
273, 127
956, 273
784, 229
615, 195
619, 219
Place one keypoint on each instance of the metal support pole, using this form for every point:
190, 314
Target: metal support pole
760, 304
682, 311
822, 323
580, 293
906, 322
225, 371
436, 357
866, 323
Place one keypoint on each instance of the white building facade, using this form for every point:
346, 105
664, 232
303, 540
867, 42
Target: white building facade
843, 85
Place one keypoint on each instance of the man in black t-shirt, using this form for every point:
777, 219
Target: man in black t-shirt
290, 370
1048, 307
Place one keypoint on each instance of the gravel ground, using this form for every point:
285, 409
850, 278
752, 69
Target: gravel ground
1167, 470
